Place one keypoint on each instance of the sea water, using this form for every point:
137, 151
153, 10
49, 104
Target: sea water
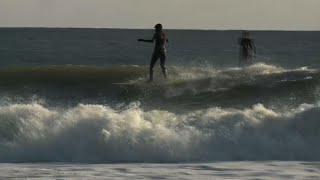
74, 104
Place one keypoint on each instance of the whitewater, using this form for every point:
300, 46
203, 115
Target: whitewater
100, 134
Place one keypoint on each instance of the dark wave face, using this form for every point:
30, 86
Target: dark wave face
110, 114
187, 87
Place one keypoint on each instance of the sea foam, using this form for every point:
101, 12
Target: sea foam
98, 133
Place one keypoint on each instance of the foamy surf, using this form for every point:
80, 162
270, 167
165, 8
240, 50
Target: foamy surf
101, 134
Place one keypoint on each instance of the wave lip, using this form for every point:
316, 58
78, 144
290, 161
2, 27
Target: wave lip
101, 134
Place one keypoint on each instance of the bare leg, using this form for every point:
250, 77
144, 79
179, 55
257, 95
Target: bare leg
152, 63
162, 64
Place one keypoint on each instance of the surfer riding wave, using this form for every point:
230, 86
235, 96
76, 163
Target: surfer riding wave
160, 39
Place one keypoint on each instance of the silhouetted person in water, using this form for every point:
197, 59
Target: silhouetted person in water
247, 49
160, 40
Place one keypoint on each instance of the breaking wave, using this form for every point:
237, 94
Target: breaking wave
259, 112
101, 134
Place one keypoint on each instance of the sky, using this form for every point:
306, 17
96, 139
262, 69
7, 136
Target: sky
173, 14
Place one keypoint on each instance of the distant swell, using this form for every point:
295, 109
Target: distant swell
101, 134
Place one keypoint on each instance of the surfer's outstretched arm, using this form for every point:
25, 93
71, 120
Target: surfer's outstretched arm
146, 40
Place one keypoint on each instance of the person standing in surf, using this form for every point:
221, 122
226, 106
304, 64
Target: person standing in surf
247, 49
160, 39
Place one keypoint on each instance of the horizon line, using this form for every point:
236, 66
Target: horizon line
191, 29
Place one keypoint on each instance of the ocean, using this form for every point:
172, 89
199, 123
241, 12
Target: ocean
74, 103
